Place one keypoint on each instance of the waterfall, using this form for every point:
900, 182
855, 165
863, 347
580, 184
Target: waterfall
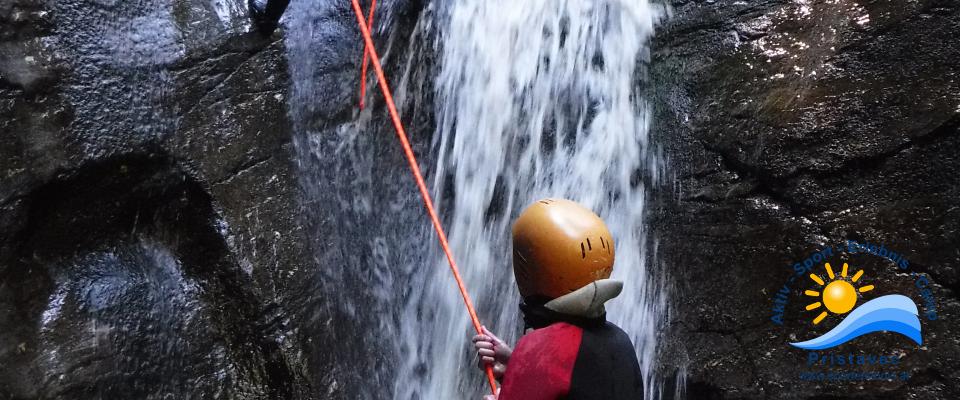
530, 99
533, 99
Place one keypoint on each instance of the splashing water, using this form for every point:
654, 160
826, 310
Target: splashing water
533, 99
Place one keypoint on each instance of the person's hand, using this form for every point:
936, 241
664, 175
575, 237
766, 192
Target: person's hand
492, 351
492, 396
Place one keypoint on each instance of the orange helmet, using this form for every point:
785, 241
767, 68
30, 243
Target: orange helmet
559, 246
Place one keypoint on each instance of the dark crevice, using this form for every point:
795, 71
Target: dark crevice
702, 390
760, 183
873, 161
134, 242
772, 186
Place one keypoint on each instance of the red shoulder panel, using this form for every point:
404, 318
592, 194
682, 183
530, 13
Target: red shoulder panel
542, 364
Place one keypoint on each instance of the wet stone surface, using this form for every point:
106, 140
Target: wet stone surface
146, 204
790, 126
124, 287
160, 235
151, 234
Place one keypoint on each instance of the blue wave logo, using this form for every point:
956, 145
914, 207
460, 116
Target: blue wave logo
891, 313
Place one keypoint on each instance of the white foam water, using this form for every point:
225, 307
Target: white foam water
531, 99
534, 98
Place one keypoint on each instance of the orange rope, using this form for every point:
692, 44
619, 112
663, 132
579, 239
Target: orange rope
412, 160
363, 68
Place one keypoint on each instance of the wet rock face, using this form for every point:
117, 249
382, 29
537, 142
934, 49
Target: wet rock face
151, 242
147, 214
160, 236
791, 126
120, 268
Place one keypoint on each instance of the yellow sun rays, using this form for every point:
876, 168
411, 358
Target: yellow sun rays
838, 296
820, 318
856, 276
816, 279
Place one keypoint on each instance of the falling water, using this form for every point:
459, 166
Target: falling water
534, 99
530, 99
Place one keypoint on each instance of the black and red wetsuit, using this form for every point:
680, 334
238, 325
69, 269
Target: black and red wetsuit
574, 361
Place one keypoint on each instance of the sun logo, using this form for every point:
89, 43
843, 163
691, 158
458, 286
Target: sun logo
839, 296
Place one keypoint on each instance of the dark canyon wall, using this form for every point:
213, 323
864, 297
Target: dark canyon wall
790, 127
148, 240
151, 234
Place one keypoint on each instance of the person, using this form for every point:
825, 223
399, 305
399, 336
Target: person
266, 16
563, 256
